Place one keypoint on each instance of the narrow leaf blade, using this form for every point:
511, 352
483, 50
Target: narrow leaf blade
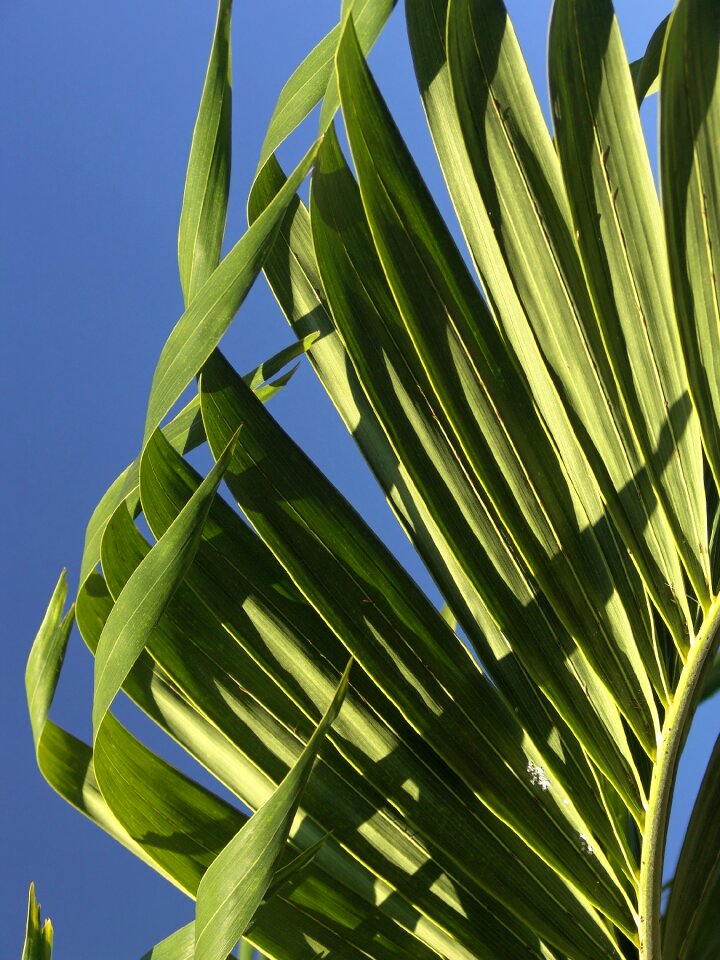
616, 213
691, 922
147, 594
645, 72
690, 177
38, 938
200, 329
207, 182
238, 879
314, 78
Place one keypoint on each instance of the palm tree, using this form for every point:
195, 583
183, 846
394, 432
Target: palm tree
493, 779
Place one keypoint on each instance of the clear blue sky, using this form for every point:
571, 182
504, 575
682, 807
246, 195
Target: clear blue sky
97, 103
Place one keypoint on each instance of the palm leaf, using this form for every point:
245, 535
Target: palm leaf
494, 433
314, 79
201, 327
499, 779
207, 185
645, 72
148, 592
389, 628
691, 928
616, 215
38, 939
690, 128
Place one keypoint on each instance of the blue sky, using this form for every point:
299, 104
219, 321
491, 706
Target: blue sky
99, 101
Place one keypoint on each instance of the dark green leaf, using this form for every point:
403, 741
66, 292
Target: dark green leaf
691, 927
46, 658
396, 384
483, 410
385, 622
645, 72
236, 578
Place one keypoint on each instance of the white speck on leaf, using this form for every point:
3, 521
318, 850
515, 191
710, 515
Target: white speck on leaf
585, 845
537, 776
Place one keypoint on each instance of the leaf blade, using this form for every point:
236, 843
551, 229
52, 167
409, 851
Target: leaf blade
645, 72
371, 327
481, 400
314, 80
227, 898
691, 928
370, 615
292, 645
201, 327
617, 216
690, 177
137, 612
526, 254
38, 939
207, 182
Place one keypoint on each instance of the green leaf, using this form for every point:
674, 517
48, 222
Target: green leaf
178, 946
237, 881
38, 939
645, 72
269, 368
691, 927
294, 648
181, 946
483, 409
148, 592
133, 776
207, 183
293, 274
429, 53
690, 176
187, 826
509, 192
396, 384
314, 78
64, 761
184, 433
367, 317
67, 765
46, 658
620, 236
390, 627
200, 329
291, 871
272, 627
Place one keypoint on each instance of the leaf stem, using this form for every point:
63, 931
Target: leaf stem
675, 728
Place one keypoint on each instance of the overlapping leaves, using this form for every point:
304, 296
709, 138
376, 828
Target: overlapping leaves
547, 439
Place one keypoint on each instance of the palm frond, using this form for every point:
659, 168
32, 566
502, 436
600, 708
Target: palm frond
492, 783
